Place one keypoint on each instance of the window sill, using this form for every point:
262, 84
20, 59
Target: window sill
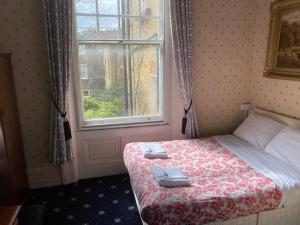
120, 126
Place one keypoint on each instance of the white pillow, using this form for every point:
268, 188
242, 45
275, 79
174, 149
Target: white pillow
258, 130
286, 146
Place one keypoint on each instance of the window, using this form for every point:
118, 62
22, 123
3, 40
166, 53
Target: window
145, 7
120, 48
86, 92
83, 71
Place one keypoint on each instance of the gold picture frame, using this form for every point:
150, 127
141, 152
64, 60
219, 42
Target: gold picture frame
283, 53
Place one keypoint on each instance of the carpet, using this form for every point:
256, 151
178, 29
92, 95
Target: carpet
98, 201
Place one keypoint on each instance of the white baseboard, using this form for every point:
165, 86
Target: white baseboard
44, 177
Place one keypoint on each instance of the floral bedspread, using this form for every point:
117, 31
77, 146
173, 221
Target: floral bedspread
222, 185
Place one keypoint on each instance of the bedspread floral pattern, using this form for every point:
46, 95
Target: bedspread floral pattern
222, 185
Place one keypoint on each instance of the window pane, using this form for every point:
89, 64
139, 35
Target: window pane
108, 28
86, 27
105, 81
122, 81
149, 8
131, 28
140, 29
85, 6
108, 7
129, 7
127, 27
83, 71
145, 79
149, 29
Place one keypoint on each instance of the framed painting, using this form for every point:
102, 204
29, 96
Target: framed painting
283, 54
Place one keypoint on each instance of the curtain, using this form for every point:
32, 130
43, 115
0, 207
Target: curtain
181, 29
58, 23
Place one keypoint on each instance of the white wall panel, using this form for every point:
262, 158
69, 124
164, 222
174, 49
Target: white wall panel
100, 152
103, 149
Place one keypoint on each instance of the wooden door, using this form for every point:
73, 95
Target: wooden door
13, 169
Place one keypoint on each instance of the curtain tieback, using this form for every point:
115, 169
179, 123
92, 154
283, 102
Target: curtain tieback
67, 128
184, 119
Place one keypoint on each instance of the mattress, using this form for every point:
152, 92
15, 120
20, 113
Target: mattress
280, 172
187, 153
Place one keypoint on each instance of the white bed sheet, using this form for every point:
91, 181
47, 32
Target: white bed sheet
285, 176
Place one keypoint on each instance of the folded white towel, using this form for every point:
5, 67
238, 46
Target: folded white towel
153, 150
170, 176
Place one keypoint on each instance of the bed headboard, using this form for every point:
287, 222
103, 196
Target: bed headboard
287, 120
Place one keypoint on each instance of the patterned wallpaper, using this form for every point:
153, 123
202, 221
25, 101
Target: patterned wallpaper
278, 95
22, 34
222, 41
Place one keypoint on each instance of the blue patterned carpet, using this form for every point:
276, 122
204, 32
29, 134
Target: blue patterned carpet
105, 201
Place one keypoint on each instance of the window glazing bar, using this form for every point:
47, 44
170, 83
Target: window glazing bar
115, 15
120, 42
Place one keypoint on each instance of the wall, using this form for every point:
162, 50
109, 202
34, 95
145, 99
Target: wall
226, 36
22, 34
230, 41
222, 47
273, 94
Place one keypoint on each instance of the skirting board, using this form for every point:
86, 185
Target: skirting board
44, 177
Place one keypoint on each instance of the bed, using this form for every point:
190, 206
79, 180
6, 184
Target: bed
231, 183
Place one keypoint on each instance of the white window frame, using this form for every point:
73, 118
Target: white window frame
165, 79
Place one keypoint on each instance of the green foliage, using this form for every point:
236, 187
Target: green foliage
90, 103
104, 104
106, 109
112, 94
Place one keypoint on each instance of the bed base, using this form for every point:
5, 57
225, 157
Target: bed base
281, 216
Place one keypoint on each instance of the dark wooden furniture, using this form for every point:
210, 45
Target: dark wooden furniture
9, 215
13, 178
